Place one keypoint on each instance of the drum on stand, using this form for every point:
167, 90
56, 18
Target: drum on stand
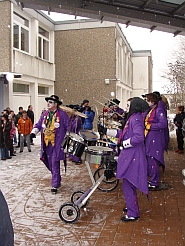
89, 137
94, 153
73, 144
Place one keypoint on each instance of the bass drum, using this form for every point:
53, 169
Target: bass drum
73, 144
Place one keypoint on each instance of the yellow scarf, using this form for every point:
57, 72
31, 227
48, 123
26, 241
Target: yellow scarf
148, 120
49, 133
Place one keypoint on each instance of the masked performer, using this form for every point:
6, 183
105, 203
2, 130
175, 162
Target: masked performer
53, 125
132, 163
155, 124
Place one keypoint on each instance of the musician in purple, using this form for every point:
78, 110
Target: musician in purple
132, 163
155, 124
75, 126
117, 109
53, 125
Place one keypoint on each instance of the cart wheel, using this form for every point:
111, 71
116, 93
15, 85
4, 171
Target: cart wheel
76, 195
106, 185
69, 212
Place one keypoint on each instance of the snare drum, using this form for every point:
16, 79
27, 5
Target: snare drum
89, 137
74, 144
94, 153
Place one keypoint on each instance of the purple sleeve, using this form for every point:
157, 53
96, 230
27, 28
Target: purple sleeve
162, 121
138, 132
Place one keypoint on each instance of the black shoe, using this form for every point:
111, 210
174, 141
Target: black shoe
21, 151
29, 150
13, 155
31, 143
9, 157
77, 162
152, 187
3, 159
54, 190
17, 146
125, 210
128, 219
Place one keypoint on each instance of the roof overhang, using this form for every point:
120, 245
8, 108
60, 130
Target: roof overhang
166, 15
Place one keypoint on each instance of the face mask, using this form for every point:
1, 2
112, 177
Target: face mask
50, 104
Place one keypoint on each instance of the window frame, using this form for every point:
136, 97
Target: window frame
42, 43
20, 25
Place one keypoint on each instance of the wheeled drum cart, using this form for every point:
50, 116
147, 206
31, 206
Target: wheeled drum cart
104, 179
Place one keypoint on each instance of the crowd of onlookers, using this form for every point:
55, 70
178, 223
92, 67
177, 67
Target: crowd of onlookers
15, 131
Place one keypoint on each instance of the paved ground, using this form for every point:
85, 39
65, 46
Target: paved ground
25, 183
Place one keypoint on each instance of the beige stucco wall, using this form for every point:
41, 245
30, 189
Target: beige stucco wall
140, 75
5, 34
84, 59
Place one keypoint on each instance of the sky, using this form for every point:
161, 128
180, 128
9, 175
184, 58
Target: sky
161, 45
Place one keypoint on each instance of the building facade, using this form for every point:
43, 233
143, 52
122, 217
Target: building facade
76, 60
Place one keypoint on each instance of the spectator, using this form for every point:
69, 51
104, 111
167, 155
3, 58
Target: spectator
6, 228
88, 122
5, 141
17, 117
178, 120
14, 120
30, 114
24, 128
12, 134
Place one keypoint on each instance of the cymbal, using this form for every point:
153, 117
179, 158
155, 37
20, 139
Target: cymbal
73, 111
80, 114
113, 123
67, 109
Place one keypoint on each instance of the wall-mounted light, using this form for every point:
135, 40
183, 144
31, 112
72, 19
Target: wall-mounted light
107, 81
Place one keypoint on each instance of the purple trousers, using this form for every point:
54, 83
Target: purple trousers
129, 191
53, 166
74, 158
153, 170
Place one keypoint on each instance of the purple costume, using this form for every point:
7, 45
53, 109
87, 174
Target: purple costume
155, 143
76, 125
162, 106
51, 155
132, 163
119, 111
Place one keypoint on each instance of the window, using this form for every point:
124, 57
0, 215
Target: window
43, 90
21, 88
21, 33
43, 44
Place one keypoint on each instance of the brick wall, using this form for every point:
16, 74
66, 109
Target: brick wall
84, 59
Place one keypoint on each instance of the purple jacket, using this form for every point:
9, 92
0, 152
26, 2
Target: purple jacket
132, 163
76, 124
155, 141
162, 105
60, 132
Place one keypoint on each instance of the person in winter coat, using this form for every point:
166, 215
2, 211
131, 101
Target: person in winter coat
155, 124
132, 162
88, 122
178, 120
5, 140
30, 114
6, 228
24, 128
12, 134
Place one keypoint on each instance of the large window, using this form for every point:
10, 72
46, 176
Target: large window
20, 88
21, 33
43, 44
43, 90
